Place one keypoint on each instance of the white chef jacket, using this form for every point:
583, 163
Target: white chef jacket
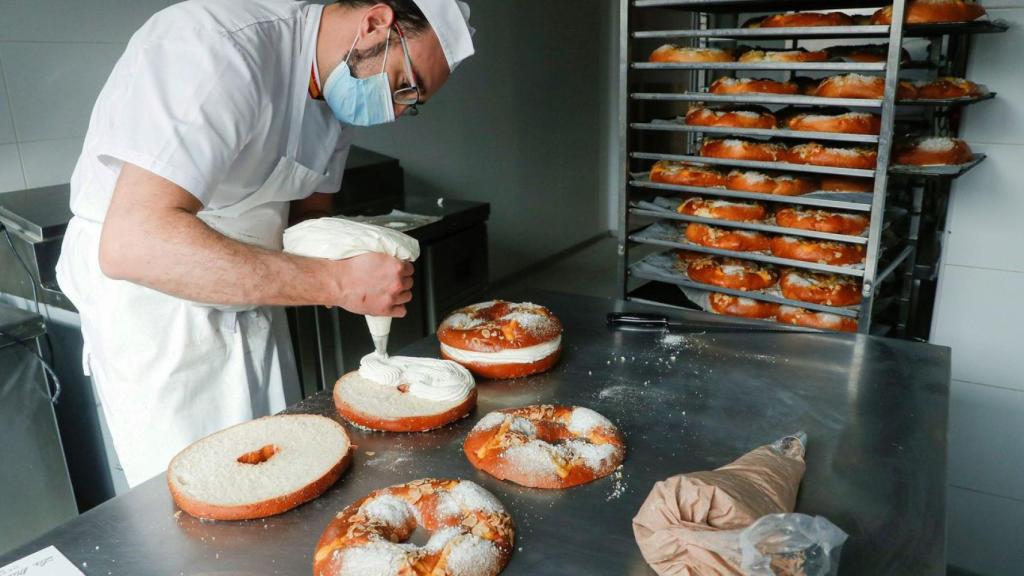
211, 95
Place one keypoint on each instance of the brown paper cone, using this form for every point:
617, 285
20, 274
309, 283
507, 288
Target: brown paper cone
677, 528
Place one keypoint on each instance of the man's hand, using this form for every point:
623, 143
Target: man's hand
374, 284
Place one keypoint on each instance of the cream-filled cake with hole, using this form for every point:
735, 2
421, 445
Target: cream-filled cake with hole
499, 339
405, 394
545, 446
471, 533
260, 468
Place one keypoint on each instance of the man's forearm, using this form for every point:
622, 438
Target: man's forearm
180, 255
153, 237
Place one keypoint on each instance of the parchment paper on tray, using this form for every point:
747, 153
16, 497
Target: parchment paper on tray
736, 519
397, 220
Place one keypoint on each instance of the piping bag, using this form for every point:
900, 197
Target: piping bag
338, 239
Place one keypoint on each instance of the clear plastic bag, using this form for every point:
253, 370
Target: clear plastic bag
791, 544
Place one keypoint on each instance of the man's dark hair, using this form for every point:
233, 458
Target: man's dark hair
408, 15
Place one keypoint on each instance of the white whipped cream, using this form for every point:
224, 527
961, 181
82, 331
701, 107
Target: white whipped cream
527, 355
427, 378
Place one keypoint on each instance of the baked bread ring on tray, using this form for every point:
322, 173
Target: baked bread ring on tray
545, 446
676, 53
404, 394
811, 319
820, 251
931, 11
723, 209
800, 20
818, 154
259, 468
726, 238
732, 117
728, 85
471, 533
848, 223
778, 184
820, 288
859, 86
501, 340
731, 273
933, 152
944, 88
842, 122
686, 174
798, 55
847, 184
729, 305
685, 256
739, 149
865, 53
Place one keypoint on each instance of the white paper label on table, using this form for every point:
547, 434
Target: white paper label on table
47, 562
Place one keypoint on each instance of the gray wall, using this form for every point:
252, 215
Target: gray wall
527, 124
976, 314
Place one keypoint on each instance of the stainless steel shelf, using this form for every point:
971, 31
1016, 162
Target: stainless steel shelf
942, 171
785, 66
756, 5
679, 279
949, 101
678, 126
737, 194
773, 99
756, 226
771, 33
777, 166
865, 31
639, 238
982, 26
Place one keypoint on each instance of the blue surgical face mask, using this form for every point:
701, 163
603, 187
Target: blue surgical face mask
360, 101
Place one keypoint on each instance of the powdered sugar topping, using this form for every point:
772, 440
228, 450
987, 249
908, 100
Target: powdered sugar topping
937, 144
584, 421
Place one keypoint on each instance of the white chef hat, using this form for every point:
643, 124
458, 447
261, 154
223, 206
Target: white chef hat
450, 21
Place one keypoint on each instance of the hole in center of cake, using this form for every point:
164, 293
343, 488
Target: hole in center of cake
258, 456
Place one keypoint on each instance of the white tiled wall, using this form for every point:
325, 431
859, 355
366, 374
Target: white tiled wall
55, 56
981, 276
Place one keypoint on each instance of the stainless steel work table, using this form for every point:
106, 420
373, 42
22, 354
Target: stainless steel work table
875, 411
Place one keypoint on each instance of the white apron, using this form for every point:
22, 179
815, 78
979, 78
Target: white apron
169, 371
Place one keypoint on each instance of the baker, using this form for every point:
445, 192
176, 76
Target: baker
221, 122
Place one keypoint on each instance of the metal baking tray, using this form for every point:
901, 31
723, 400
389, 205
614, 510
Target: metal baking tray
786, 66
658, 269
783, 166
752, 98
944, 170
640, 210
754, 5
816, 199
983, 26
772, 33
951, 101
650, 237
866, 31
678, 125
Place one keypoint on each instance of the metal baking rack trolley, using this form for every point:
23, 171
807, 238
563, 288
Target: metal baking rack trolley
906, 207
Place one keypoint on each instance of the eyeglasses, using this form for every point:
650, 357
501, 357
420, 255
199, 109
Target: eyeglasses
410, 95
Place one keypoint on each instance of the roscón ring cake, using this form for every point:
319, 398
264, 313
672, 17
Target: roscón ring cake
259, 468
471, 533
500, 340
405, 394
545, 446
